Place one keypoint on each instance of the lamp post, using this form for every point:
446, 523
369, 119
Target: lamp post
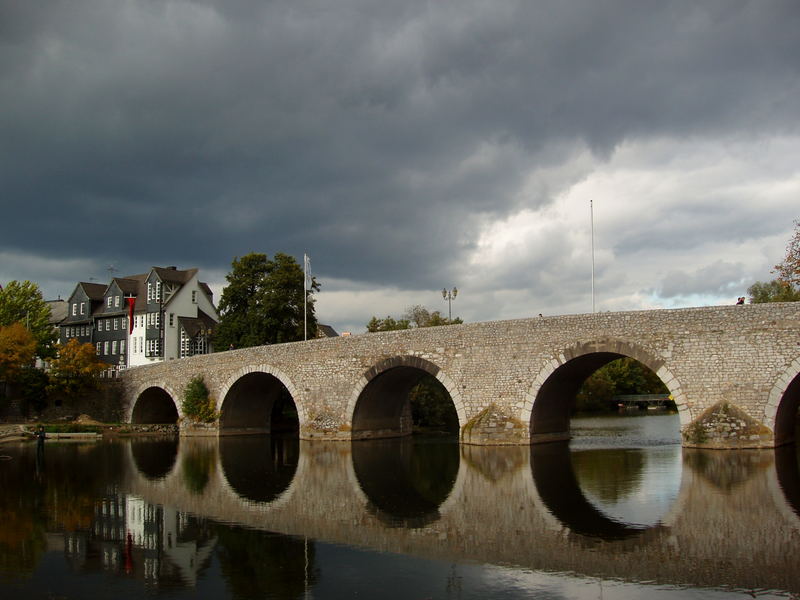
449, 295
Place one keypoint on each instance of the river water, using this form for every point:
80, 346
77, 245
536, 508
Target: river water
621, 512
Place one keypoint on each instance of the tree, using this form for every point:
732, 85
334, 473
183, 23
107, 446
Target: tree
263, 303
622, 376
414, 316
75, 368
776, 290
387, 324
23, 303
17, 350
197, 403
789, 270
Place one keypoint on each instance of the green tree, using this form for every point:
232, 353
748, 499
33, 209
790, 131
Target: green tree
263, 303
387, 324
776, 290
197, 403
414, 316
622, 376
23, 303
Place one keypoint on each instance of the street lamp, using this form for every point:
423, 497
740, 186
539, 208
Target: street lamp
449, 295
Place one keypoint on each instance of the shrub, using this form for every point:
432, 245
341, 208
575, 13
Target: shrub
197, 404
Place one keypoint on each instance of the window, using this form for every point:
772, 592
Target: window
123, 323
122, 346
158, 290
74, 309
98, 348
157, 319
149, 291
116, 301
116, 324
83, 308
109, 301
114, 347
194, 296
108, 324
105, 348
172, 319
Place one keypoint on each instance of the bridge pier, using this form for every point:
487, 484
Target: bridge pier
726, 426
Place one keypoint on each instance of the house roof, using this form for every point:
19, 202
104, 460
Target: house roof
129, 285
59, 309
172, 274
195, 325
95, 291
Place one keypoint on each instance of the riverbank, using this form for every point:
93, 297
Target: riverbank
81, 431
14, 433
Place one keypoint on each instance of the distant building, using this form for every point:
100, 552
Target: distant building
160, 315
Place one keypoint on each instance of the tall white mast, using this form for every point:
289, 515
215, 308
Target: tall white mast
591, 219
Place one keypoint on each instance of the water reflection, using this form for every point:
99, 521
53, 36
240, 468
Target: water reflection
359, 515
198, 462
259, 468
561, 493
786, 464
636, 486
155, 457
406, 479
258, 564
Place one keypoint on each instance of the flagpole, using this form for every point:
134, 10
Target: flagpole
591, 218
305, 297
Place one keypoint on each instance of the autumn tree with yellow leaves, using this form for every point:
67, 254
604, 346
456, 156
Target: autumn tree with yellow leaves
17, 350
75, 368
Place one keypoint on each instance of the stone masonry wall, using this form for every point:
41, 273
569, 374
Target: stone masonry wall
742, 356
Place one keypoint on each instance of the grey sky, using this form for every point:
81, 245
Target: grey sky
405, 146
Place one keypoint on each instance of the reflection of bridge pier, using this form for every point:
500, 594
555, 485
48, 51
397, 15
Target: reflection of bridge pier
504, 506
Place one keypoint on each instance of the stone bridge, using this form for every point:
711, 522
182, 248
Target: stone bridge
733, 371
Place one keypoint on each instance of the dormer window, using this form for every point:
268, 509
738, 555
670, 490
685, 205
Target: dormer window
74, 309
116, 301
109, 301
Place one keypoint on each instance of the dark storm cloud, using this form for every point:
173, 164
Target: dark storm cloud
374, 135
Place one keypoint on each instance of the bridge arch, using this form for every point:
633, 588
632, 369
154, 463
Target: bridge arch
780, 412
238, 412
154, 403
393, 378
562, 376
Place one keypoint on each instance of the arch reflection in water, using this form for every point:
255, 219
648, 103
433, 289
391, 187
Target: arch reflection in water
259, 468
406, 480
636, 486
560, 488
155, 457
786, 465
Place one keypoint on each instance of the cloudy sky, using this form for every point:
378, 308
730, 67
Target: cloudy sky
406, 146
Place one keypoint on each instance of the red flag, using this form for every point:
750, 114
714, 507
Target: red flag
131, 301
